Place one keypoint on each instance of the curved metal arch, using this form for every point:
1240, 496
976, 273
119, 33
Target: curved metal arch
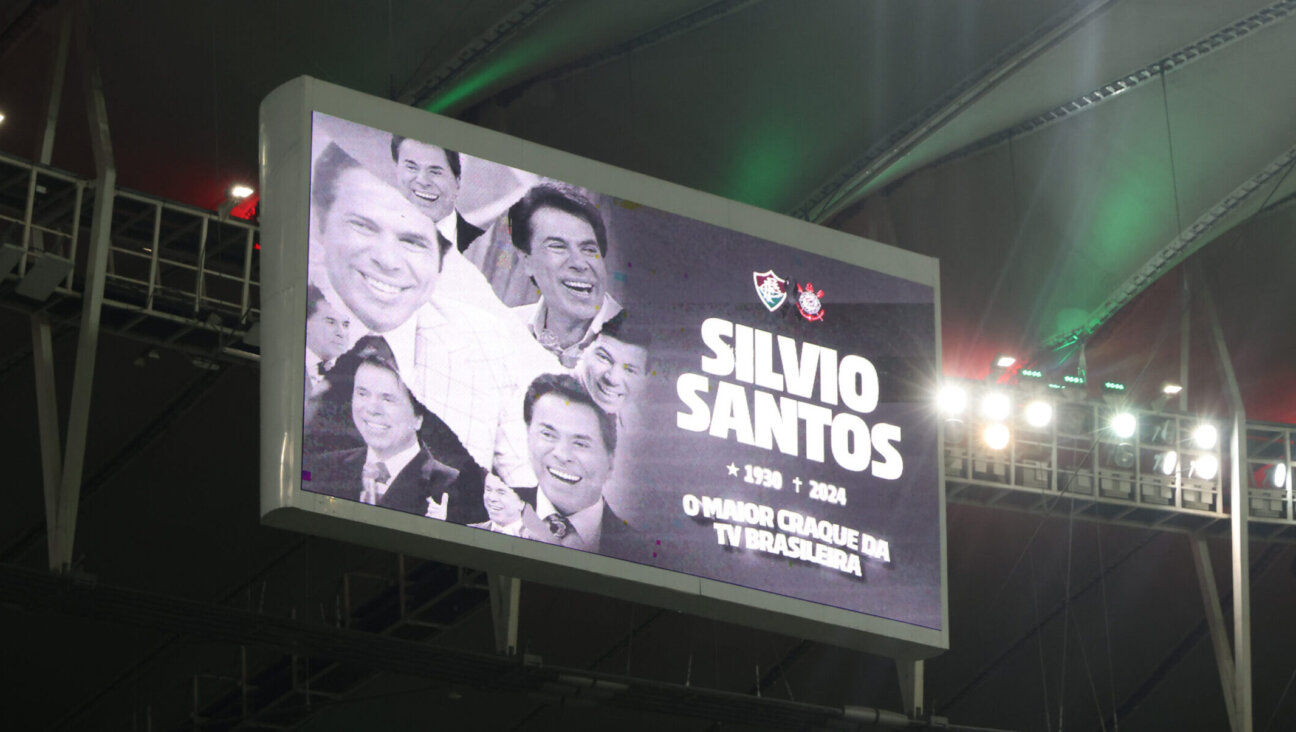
440, 80
1225, 36
1184, 244
834, 195
687, 23
428, 82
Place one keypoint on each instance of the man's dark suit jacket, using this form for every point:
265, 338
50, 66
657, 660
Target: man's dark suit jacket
329, 426
616, 537
340, 474
465, 233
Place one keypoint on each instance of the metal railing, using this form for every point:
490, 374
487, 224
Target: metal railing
176, 274
188, 278
1158, 477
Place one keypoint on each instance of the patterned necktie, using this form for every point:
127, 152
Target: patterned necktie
559, 525
374, 475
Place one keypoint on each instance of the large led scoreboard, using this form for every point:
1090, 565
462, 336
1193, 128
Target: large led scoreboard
484, 351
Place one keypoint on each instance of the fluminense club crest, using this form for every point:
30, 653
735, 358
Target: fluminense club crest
771, 289
808, 302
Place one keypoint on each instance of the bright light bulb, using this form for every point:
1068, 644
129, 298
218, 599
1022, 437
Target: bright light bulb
240, 191
1171, 389
996, 406
1168, 462
996, 436
1, 116
1039, 413
1205, 436
1280, 475
1124, 425
1205, 467
1004, 362
952, 400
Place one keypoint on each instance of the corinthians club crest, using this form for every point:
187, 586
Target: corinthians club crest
771, 289
808, 302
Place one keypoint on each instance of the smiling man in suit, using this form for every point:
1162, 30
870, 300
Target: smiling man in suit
563, 243
571, 442
394, 469
378, 259
429, 178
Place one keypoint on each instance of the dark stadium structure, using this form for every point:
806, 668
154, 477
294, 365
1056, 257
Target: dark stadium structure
1107, 185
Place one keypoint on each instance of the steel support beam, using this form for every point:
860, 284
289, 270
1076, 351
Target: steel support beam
55, 97
47, 416
911, 686
1197, 235
505, 597
39, 592
838, 193
1242, 28
433, 77
687, 23
1239, 510
1185, 336
1215, 622
69, 493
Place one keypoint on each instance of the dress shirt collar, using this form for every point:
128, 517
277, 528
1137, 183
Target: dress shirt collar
588, 522
401, 339
511, 529
395, 464
449, 228
569, 354
313, 362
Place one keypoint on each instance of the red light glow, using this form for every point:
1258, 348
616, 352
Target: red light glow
245, 208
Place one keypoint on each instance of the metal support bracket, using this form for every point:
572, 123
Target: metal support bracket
67, 499
911, 686
1185, 337
505, 596
47, 418
1215, 622
1239, 512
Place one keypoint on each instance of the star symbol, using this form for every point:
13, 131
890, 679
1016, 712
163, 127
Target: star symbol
733, 469
797, 482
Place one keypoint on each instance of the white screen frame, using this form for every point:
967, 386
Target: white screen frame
285, 141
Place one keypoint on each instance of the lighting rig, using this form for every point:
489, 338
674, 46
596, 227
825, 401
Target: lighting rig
1049, 436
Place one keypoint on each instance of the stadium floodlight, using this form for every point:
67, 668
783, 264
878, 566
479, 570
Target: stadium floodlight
1039, 413
955, 432
1163, 432
1123, 456
1004, 361
1166, 462
996, 436
1276, 475
995, 406
1123, 425
1205, 436
1205, 467
951, 400
1170, 388
238, 193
